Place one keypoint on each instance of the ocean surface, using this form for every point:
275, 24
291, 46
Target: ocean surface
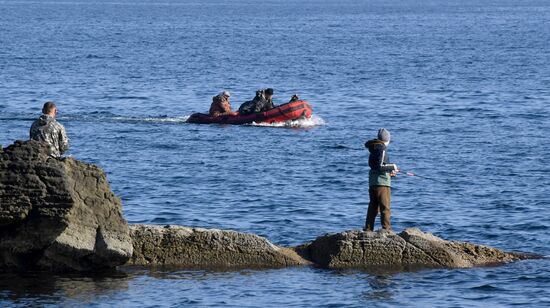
463, 86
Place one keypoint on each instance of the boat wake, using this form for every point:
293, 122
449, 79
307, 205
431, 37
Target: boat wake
181, 119
112, 118
300, 123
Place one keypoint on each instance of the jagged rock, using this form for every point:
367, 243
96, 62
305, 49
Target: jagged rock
206, 248
57, 214
411, 248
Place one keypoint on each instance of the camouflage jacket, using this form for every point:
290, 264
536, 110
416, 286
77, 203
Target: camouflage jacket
48, 130
220, 106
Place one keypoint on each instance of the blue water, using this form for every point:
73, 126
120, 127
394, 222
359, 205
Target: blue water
464, 87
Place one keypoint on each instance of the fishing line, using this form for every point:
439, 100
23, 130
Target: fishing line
410, 173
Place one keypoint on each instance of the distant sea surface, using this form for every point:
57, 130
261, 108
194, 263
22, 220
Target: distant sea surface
463, 86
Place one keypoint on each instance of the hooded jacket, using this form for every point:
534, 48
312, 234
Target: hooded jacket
48, 130
380, 168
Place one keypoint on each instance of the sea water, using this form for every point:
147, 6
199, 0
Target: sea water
463, 86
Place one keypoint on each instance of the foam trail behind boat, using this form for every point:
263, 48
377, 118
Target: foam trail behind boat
112, 118
300, 123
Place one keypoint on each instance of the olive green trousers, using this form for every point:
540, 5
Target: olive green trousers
379, 201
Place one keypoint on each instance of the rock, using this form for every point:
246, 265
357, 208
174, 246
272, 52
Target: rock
57, 214
411, 248
206, 248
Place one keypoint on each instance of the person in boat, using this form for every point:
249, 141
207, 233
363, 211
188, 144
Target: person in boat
268, 93
294, 98
261, 102
380, 175
48, 130
221, 105
253, 105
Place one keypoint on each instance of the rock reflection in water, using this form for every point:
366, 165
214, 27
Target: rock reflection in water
44, 288
381, 287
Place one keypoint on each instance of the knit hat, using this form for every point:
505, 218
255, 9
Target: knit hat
384, 135
226, 93
269, 91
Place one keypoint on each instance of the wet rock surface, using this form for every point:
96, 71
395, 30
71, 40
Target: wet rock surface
411, 248
206, 248
57, 214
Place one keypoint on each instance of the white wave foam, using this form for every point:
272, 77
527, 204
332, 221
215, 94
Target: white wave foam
127, 119
181, 119
301, 123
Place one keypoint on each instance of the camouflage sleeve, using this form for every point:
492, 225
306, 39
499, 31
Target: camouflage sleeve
226, 106
63, 140
32, 132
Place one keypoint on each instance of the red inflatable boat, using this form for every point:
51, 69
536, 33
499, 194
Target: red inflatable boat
289, 111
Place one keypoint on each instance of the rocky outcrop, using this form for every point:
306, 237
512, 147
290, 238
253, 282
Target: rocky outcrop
411, 248
57, 214
61, 214
206, 248
211, 248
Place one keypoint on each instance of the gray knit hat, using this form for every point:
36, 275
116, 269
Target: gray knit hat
226, 93
384, 135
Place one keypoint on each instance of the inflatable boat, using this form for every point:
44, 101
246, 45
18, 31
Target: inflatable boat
286, 112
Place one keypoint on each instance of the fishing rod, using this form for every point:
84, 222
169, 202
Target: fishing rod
410, 173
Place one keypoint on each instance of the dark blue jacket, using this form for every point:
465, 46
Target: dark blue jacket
379, 163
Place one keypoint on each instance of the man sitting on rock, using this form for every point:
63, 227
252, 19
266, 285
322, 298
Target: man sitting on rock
48, 130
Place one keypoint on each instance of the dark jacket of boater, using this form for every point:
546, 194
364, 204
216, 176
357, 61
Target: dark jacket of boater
379, 163
257, 104
263, 105
247, 107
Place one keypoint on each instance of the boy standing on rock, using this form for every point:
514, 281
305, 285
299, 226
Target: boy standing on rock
47, 129
380, 175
